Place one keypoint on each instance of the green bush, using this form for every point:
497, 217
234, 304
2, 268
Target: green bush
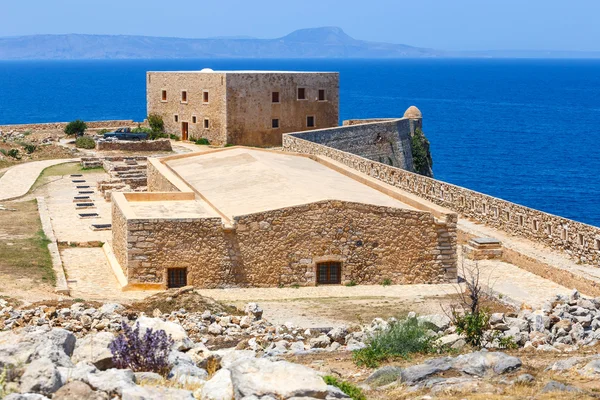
351, 390
29, 148
174, 137
156, 123
386, 282
27, 133
422, 161
14, 153
352, 283
140, 129
399, 340
471, 324
202, 141
103, 131
76, 127
85, 142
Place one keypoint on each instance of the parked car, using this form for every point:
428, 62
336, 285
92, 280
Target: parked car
126, 134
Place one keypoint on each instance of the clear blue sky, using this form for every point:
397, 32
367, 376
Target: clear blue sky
441, 24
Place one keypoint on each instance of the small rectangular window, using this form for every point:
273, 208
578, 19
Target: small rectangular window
507, 215
184, 96
521, 220
275, 123
206, 123
205, 96
194, 119
301, 93
495, 212
176, 117
597, 241
580, 239
310, 121
164, 95
321, 94
473, 205
563, 233
275, 97
177, 277
549, 229
536, 225
484, 208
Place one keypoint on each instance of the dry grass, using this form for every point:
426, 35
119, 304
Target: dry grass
23, 245
59, 171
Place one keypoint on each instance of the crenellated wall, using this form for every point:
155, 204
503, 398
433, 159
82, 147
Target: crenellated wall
579, 241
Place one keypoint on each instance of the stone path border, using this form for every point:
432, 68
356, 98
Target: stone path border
18, 179
57, 265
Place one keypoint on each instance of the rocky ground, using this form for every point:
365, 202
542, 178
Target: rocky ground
60, 350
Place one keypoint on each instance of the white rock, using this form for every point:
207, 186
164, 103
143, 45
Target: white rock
93, 348
215, 329
156, 393
41, 376
219, 387
176, 331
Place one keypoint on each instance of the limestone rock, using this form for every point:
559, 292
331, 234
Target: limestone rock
111, 380
384, 376
437, 322
94, 348
156, 393
417, 373
77, 390
151, 378
281, 379
591, 369
253, 310
176, 331
219, 387
554, 386
41, 376
320, 342
483, 363
338, 334
25, 396
230, 357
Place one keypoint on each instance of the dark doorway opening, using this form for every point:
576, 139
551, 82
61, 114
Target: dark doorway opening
177, 277
184, 131
329, 273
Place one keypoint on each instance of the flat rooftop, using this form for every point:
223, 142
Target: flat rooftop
242, 181
172, 209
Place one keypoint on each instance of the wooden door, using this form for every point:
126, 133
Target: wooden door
184, 131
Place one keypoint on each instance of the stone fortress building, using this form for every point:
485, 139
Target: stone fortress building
251, 108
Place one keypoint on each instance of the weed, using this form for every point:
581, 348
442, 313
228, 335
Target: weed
351, 283
399, 340
78, 300
29, 148
27, 133
351, 390
174, 137
386, 282
102, 131
295, 286
202, 141
14, 153
229, 145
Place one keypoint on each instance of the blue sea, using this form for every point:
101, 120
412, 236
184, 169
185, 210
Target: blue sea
523, 130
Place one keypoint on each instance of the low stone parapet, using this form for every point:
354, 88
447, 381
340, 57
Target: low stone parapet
141, 145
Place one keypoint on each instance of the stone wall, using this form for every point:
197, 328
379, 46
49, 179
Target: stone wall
157, 182
53, 126
579, 241
387, 142
250, 109
139, 145
194, 83
282, 247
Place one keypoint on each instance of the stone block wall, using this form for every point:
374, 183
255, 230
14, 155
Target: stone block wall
53, 126
141, 145
387, 141
579, 241
284, 246
157, 182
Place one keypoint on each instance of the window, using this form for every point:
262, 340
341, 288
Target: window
329, 273
177, 277
597, 241
473, 205
580, 239
275, 123
484, 208
194, 119
206, 123
205, 96
521, 220
321, 94
164, 95
301, 93
495, 212
536, 225
184, 96
563, 233
549, 229
310, 121
275, 97
176, 117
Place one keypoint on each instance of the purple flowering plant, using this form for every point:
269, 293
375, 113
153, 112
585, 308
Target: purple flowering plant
149, 352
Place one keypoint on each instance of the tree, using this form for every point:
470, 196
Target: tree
76, 127
156, 123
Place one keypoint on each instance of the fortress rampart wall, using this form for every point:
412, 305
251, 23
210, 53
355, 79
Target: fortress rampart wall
579, 241
52, 126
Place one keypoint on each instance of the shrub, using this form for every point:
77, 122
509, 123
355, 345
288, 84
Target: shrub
14, 153
156, 123
202, 141
351, 390
386, 282
140, 129
148, 353
29, 148
85, 142
472, 325
76, 127
174, 137
399, 340
103, 131
422, 161
351, 283
27, 133
3, 151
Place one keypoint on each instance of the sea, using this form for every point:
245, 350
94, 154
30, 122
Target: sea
527, 131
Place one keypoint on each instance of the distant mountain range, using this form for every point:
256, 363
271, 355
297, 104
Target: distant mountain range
326, 42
